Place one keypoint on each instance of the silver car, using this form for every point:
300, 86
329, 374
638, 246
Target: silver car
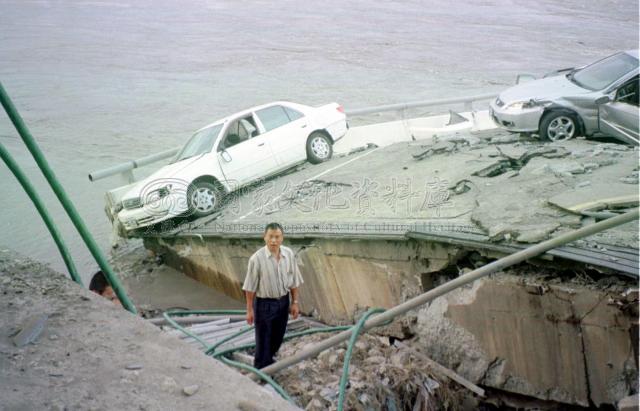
598, 99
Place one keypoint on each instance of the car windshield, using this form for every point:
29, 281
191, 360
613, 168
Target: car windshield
200, 143
604, 72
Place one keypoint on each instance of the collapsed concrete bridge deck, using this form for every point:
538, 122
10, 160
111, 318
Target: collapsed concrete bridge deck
380, 224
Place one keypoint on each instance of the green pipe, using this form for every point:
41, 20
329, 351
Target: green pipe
262, 375
229, 338
42, 162
44, 213
210, 350
221, 355
347, 356
167, 315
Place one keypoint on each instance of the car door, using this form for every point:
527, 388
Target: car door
619, 118
286, 131
248, 157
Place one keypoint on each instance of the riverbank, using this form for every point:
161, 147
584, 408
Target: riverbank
94, 355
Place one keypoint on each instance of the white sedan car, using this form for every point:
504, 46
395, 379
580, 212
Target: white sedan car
232, 153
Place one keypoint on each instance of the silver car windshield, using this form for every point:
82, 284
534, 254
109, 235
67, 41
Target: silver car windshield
200, 143
603, 73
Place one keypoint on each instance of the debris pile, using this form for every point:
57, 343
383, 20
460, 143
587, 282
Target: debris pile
448, 146
381, 376
508, 163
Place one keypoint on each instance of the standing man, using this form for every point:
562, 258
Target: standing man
272, 275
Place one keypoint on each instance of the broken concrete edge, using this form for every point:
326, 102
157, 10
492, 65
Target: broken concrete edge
464, 279
470, 240
518, 334
524, 211
630, 403
382, 258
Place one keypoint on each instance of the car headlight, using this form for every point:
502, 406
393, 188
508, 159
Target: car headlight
158, 194
523, 105
130, 203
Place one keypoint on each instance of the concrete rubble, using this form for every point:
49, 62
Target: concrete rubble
536, 338
536, 334
381, 376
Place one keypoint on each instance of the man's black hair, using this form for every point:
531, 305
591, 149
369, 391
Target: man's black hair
98, 283
273, 226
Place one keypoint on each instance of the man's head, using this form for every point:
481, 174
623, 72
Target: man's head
99, 285
273, 236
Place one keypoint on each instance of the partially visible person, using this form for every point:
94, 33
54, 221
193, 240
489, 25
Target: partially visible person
101, 286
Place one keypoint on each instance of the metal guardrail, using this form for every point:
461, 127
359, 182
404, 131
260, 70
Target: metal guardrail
126, 168
401, 107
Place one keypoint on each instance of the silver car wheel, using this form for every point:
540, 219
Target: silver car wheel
320, 148
561, 128
203, 199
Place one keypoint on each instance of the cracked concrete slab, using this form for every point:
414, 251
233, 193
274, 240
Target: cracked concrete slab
564, 342
525, 201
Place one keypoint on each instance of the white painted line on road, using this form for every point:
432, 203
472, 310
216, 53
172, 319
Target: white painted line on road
308, 179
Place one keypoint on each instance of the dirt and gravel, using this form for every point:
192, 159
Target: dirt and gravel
93, 355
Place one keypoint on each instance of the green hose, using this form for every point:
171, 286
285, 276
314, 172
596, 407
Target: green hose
210, 349
347, 356
221, 355
64, 199
260, 374
229, 338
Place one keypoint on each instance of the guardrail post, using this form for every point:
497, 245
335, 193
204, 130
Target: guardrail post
401, 115
128, 177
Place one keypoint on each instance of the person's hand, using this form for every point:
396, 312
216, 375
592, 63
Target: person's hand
294, 310
250, 317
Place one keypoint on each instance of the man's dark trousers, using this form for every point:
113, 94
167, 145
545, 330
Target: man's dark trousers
270, 316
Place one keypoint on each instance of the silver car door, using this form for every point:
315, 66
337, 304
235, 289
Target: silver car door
619, 118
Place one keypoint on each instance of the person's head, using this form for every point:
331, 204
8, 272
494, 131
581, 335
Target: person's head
101, 286
273, 236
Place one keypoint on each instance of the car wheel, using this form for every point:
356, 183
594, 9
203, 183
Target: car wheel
558, 126
319, 148
203, 198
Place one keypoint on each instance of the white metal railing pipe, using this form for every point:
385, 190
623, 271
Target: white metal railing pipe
417, 104
131, 164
